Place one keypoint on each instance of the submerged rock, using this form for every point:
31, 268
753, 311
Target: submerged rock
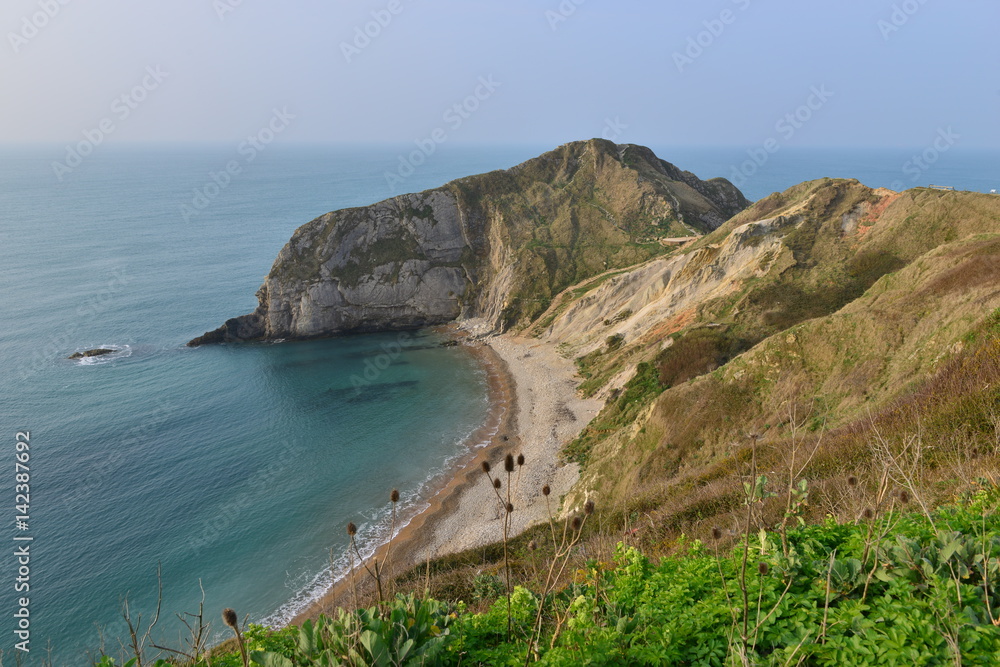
96, 352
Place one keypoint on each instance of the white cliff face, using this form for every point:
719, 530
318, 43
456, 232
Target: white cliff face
393, 265
666, 288
493, 246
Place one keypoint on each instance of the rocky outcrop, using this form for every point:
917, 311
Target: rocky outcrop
497, 246
97, 352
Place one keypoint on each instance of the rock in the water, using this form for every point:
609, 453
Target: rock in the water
97, 352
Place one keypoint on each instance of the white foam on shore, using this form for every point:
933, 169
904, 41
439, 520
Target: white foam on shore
374, 533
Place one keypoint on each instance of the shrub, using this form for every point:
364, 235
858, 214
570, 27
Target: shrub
614, 342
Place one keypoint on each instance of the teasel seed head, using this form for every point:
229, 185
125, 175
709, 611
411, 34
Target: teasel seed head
762, 568
352, 530
852, 481
546, 490
229, 618
508, 463
486, 467
496, 483
394, 496
510, 508
868, 514
716, 533
588, 507
520, 459
577, 523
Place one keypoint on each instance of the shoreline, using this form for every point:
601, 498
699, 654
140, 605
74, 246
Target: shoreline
534, 410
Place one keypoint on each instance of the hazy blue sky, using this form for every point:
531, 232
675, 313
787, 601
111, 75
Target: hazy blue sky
894, 72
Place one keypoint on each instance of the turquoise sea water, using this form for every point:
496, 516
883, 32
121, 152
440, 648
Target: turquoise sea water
235, 466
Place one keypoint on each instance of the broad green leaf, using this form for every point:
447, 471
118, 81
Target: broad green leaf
268, 659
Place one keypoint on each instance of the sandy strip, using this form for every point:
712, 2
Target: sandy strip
535, 410
549, 414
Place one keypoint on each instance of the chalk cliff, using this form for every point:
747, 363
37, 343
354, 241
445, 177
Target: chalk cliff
496, 246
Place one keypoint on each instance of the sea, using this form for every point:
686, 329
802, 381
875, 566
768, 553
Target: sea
230, 472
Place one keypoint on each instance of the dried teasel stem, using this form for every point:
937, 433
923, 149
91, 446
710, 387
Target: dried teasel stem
352, 530
230, 618
572, 533
505, 503
393, 499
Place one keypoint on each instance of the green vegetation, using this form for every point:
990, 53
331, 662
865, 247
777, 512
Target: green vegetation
621, 411
614, 342
892, 588
694, 353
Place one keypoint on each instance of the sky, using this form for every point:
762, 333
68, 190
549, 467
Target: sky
844, 73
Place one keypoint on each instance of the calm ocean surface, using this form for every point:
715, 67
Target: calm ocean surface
235, 466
